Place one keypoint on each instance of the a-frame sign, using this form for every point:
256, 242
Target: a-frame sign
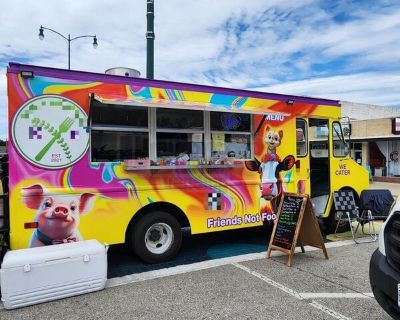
295, 223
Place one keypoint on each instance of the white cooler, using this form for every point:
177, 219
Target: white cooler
35, 275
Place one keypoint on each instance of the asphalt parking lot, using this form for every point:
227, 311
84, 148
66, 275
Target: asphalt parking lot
237, 287
226, 276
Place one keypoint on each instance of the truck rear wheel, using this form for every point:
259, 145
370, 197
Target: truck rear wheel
156, 237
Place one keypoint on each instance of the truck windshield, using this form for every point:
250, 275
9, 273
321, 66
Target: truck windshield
339, 144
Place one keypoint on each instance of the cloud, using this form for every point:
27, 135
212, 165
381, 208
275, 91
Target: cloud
273, 44
371, 88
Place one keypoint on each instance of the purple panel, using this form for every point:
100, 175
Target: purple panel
100, 77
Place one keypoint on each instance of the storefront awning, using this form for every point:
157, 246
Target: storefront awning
189, 105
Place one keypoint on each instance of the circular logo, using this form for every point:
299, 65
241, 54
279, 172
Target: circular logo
50, 131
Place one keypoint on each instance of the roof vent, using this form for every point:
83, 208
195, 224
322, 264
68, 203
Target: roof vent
121, 71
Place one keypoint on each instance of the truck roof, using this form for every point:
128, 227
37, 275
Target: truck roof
102, 77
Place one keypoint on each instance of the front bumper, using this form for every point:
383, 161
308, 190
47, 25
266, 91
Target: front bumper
384, 282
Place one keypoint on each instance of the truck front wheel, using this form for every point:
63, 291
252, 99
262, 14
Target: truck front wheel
156, 237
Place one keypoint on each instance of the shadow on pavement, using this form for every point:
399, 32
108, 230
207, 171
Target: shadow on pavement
195, 248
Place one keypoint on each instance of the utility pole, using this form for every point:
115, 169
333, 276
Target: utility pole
150, 39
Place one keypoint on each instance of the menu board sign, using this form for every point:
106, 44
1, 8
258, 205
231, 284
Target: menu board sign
287, 221
295, 222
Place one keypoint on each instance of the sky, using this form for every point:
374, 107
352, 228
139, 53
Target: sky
342, 50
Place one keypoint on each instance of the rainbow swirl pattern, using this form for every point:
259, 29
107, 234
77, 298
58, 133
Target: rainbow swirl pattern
121, 193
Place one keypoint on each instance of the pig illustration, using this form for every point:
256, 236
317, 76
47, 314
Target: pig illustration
57, 215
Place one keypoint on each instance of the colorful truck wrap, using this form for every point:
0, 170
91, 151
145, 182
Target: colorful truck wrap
118, 159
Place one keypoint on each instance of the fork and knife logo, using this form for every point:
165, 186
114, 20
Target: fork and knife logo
49, 131
62, 128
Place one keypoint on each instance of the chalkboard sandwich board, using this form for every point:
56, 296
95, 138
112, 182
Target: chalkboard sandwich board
295, 222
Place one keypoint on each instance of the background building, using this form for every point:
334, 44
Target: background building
375, 138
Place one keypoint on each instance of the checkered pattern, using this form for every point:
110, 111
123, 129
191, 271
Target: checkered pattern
74, 134
27, 112
214, 201
35, 133
63, 103
344, 202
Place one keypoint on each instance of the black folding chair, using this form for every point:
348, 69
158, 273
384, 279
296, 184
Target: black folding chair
377, 201
345, 205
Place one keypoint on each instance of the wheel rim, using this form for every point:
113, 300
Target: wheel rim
159, 238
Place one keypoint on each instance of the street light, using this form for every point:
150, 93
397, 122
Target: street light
69, 39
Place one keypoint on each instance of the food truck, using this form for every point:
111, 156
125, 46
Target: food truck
132, 160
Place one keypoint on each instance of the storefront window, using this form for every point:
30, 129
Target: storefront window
356, 152
230, 136
394, 156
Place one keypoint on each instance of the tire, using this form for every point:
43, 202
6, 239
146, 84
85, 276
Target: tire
156, 237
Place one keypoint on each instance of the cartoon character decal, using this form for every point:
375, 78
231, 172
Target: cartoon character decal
271, 165
57, 217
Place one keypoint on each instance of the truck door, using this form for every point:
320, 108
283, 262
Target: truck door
319, 155
302, 156
340, 166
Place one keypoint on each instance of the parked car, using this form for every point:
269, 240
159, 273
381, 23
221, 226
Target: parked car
384, 271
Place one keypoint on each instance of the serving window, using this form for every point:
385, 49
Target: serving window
180, 119
119, 115
231, 135
179, 135
168, 136
119, 132
110, 146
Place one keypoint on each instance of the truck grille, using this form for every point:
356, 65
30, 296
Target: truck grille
392, 241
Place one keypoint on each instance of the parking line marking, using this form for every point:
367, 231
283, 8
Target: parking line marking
292, 292
269, 281
329, 311
336, 295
